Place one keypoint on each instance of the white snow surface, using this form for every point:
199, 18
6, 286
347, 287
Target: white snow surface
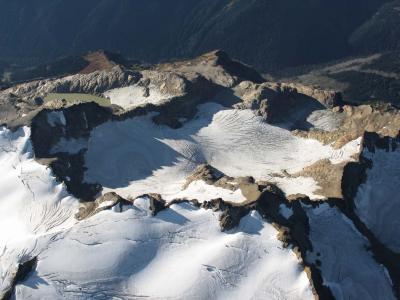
325, 120
346, 267
201, 191
179, 254
378, 200
33, 206
143, 157
134, 95
299, 185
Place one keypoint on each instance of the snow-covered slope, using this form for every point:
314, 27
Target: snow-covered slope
33, 206
346, 266
179, 254
378, 200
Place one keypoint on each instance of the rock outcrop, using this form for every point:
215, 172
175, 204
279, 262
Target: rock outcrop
382, 119
22, 272
105, 202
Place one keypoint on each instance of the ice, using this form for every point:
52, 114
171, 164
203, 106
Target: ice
346, 266
134, 95
179, 254
378, 200
143, 157
200, 191
33, 206
325, 120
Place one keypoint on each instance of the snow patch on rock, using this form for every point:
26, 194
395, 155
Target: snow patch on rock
135, 95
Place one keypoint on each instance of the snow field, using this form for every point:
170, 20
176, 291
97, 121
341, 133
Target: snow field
143, 157
378, 200
33, 206
179, 254
347, 268
134, 95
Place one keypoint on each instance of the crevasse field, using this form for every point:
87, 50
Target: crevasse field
142, 157
181, 253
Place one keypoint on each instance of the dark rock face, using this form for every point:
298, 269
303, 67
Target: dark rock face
157, 204
373, 141
231, 217
24, 269
206, 173
69, 168
381, 32
237, 69
271, 34
362, 79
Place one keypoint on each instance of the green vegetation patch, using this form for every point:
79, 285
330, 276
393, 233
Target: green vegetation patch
77, 98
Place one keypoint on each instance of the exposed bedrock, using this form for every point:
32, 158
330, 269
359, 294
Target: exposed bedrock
105, 202
284, 103
75, 122
354, 121
182, 85
93, 83
328, 98
20, 103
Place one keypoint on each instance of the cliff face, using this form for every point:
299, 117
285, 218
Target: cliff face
268, 33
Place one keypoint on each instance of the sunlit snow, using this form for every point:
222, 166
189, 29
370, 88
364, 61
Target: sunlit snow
143, 157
